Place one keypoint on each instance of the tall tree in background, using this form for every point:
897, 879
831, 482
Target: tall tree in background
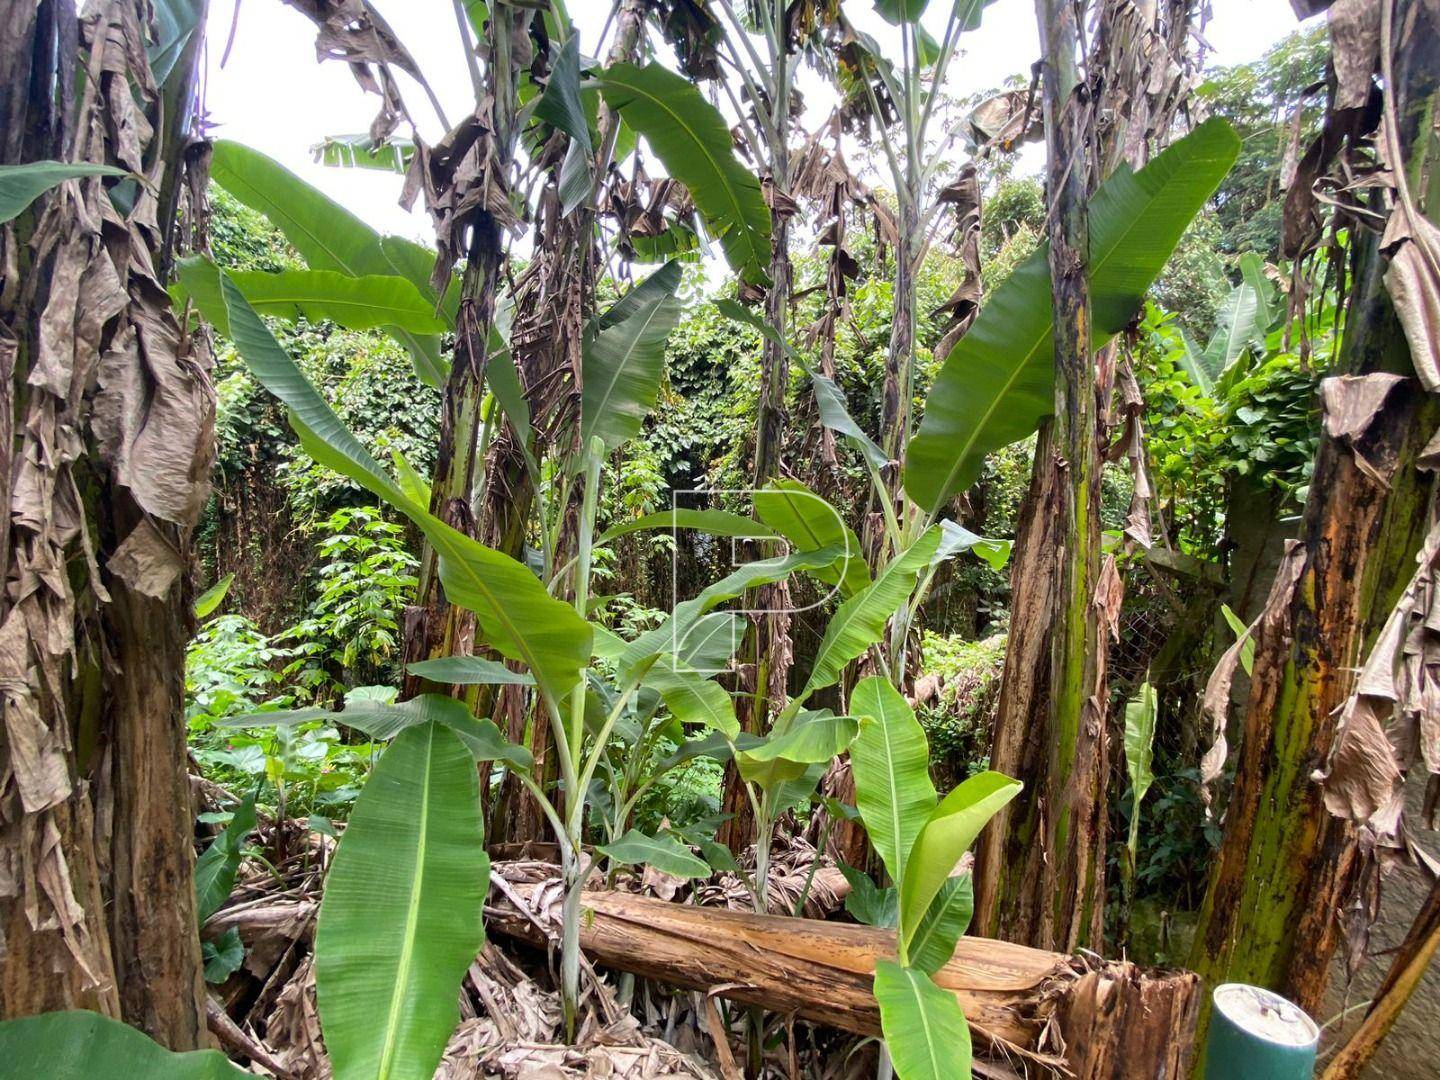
1272, 915
104, 475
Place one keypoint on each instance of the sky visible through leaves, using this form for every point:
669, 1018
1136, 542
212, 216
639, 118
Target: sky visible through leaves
272, 95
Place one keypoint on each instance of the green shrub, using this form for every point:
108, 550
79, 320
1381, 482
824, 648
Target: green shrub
958, 720
351, 635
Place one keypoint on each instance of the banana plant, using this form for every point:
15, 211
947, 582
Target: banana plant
920, 839
898, 99
1246, 318
553, 641
996, 386
80, 1045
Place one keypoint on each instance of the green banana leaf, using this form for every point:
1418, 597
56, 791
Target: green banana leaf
890, 762
213, 597
923, 1025
945, 920
692, 138
469, 671
967, 13
860, 621
80, 1045
692, 698
357, 303
560, 107
504, 383
1252, 272
712, 641
997, 384
383, 720
175, 22
327, 236
829, 398
663, 852
810, 738
362, 152
714, 522
835, 414
663, 282
737, 312
673, 635
415, 263
791, 509
20, 185
623, 362
955, 538
867, 903
713, 745
517, 615
1242, 323
1140, 714
946, 835
400, 921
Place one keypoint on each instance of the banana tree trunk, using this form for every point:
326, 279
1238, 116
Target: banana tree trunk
1040, 865
1271, 913
555, 297
105, 473
1037, 1013
765, 652
433, 626
897, 391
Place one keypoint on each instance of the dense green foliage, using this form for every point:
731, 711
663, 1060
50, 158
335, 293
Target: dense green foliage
296, 635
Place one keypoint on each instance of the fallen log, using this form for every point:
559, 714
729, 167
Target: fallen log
1039, 1013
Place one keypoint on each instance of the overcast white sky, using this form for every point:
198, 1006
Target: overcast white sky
271, 93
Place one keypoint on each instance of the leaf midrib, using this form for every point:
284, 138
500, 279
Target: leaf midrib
412, 914
900, 853
924, 1019
333, 301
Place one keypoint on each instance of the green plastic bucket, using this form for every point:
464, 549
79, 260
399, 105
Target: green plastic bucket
1258, 1035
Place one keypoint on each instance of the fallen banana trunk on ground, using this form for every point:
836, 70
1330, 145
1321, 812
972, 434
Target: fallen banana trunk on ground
1033, 1013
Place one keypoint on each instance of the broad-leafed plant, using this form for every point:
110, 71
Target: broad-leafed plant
920, 839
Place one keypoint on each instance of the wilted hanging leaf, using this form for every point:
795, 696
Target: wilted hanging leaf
1413, 279
1392, 718
354, 32
1354, 49
1351, 405
1005, 120
1216, 701
964, 303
